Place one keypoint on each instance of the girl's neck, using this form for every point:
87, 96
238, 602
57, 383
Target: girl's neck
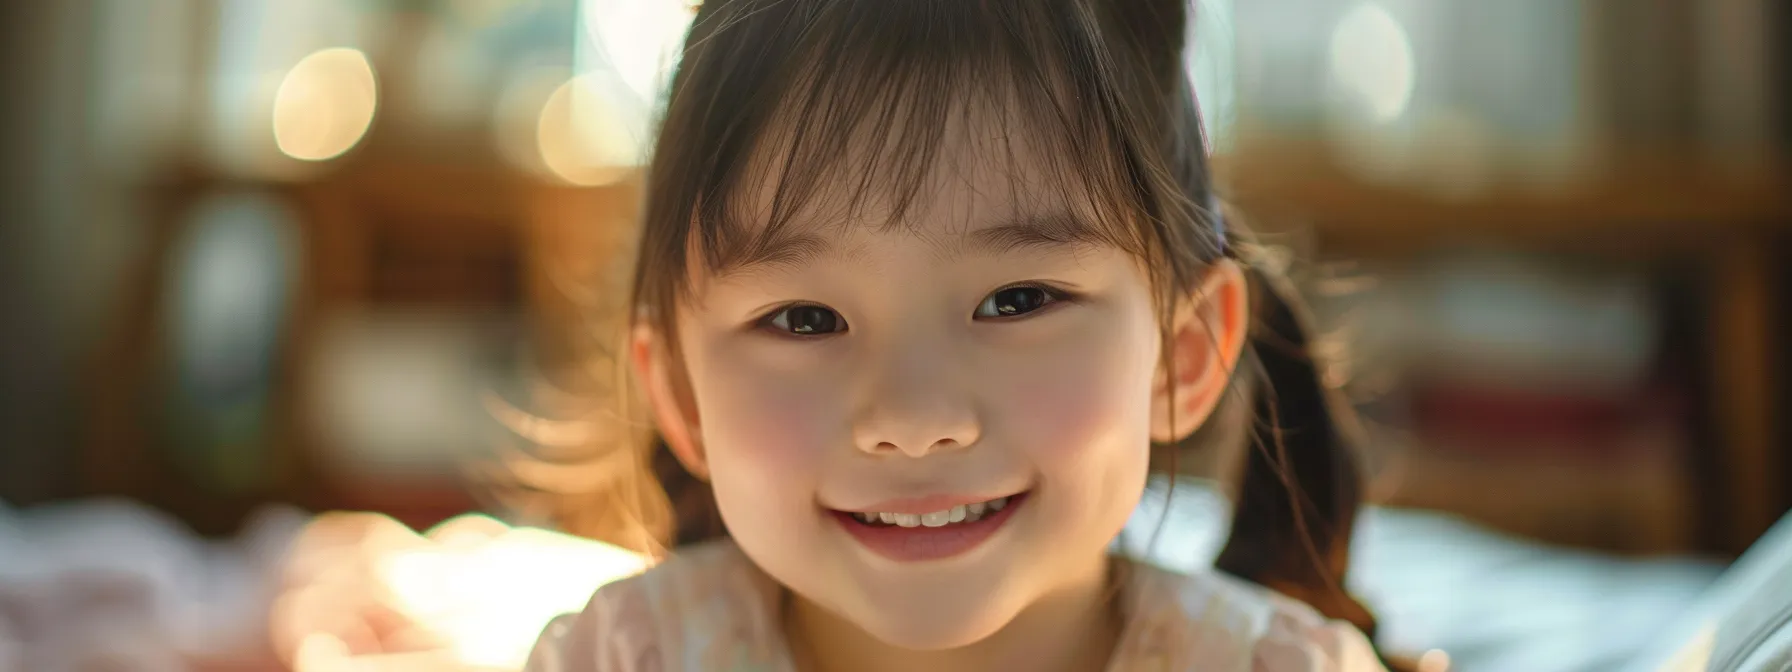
1073, 630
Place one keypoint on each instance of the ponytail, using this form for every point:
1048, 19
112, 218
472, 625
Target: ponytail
1297, 499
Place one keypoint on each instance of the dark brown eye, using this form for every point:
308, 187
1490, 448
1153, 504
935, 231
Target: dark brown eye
807, 321
1014, 301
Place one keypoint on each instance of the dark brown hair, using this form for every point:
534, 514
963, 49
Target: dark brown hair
778, 92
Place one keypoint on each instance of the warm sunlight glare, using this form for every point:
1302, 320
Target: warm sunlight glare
325, 104
582, 136
491, 600
1372, 59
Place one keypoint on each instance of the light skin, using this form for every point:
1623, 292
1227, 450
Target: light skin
940, 359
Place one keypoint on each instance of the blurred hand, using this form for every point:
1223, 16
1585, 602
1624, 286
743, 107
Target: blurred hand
363, 592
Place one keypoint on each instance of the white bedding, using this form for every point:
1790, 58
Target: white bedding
1494, 603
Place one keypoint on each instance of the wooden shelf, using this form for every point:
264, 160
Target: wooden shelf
1640, 203
1732, 226
377, 230
1637, 506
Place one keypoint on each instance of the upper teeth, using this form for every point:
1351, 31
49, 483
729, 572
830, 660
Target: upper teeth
962, 513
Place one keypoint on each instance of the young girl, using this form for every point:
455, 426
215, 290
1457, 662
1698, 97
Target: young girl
926, 288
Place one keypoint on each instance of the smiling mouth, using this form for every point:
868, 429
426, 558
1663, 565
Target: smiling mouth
963, 513
935, 535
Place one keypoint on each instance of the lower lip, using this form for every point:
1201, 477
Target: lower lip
917, 544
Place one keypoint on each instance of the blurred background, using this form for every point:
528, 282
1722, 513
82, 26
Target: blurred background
262, 258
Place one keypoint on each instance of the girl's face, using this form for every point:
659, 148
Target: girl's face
982, 386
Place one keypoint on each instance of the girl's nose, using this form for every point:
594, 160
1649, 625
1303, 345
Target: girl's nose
918, 402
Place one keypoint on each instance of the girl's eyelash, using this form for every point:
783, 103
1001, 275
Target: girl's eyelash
765, 321
1057, 295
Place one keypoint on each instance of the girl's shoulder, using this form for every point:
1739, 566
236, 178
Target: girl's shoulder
1206, 620
704, 608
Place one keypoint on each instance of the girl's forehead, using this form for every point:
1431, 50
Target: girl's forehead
964, 169
984, 168
994, 239
974, 204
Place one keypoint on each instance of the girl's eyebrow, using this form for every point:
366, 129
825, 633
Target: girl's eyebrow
1050, 231
1034, 231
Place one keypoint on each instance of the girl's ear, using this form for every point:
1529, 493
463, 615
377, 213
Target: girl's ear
1207, 337
674, 412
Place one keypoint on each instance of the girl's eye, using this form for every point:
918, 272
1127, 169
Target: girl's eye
1015, 301
807, 321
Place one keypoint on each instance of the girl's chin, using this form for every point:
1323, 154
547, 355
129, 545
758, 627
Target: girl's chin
932, 630
949, 613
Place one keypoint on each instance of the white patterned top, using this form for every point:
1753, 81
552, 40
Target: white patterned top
710, 609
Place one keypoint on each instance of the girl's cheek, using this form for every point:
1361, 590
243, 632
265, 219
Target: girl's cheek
1064, 420
1071, 410
764, 421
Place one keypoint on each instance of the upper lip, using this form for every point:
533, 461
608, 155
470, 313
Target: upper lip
925, 504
